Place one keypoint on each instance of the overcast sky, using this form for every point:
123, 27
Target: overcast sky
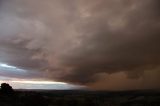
101, 44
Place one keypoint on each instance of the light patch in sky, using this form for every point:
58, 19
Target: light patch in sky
10, 68
45, 85
7, 66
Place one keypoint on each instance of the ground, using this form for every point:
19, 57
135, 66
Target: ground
80, 98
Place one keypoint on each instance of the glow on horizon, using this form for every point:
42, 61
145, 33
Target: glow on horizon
18, 83
34, 84
38, 82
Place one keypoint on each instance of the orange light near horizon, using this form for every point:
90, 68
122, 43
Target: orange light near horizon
37, 82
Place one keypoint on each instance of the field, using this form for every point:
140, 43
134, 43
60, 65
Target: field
80, 98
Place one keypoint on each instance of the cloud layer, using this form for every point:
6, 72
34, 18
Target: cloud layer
78, 41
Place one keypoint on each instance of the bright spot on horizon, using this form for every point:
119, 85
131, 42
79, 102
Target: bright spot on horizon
38, 82
19, 83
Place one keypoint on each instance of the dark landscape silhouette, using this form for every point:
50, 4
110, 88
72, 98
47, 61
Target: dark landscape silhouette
10, 97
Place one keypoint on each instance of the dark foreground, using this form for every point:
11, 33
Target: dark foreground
81, 98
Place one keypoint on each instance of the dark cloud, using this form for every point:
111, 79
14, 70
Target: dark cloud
133, 46
75, 41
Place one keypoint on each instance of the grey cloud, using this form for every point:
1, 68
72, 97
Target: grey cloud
107, 47
74, 41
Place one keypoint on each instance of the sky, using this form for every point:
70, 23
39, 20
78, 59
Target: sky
97, 44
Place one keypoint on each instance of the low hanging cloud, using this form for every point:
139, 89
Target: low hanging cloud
76, 41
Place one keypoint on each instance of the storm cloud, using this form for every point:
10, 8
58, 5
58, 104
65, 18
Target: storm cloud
79, 41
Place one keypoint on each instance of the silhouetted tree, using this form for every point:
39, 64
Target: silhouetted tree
6, 88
